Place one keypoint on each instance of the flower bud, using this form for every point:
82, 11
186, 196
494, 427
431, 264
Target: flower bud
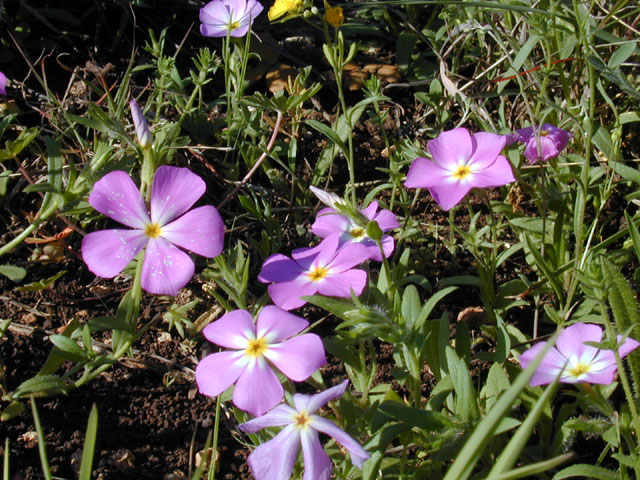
143, 133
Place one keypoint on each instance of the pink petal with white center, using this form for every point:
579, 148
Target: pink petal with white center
298, 357
358, 454
281, 415
449, 195
347, 257
552, 364
324, 252
487, 147
498, 174
174, 191
116, 196
200, 230
279, 268
287, 295
317, 464
571, 340
341, 284
258, 389
277, 324
274, 459
451, 148
602, 377
386, 220
312, 403
215, 11
107, 252
329, 221
232, 330
370, 210
166, 268
218, 371
424, 173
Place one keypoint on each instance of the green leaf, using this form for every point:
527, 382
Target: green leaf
530, 470
430, 305
12, 410
628, 173
466, 401
410, 306
42, 385
424, 420
89, 445
329, 133
13, 148
42, 284
586, 471
68, 348
13, 273
621, 55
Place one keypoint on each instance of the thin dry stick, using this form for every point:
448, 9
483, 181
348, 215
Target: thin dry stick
246, 178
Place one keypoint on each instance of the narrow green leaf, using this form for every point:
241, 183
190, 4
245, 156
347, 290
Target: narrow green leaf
530, 470
42, 284
42, 448
466, 400
327, 132
45, 385
628, 173
88, 449
586, 471
68, 348
13, 273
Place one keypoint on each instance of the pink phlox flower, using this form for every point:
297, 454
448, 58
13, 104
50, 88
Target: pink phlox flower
552, 141
166, 268
329, 221
220, 17
143, 133
578, 362
3, 83
274, 460
461, 161
327, 269
254, 348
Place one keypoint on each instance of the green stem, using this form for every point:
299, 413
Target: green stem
214, 446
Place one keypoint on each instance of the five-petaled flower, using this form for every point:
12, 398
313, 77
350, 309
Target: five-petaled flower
330, 222
461, 161
166, 268
575, 361
143, 133
233, 17
271, 340
3, 83
326, 269
275, 459
542, 143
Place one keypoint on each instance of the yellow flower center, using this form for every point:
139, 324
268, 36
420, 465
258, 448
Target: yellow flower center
301, 419
357, 232
318, 273
153, 230
257, 347
544, 133
579, 369
233, 26
462, 172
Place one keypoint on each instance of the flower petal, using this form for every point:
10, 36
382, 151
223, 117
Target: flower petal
166, 268
451, 148
287, 295
174, 191
298, 357
273, 460
329, 221
281, 415
317, 465
570, 342
218, 371
311, 403
200, 231
358, 454
278, 324
107, 252
449, 194
347, 257
278, 268
424, 173
628, 346
487, 147
3, 83
116, 196
386, 220
232, 330
340, 284
498, 174
552, 364
258, 389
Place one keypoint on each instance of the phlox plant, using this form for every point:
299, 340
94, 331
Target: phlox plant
460, 303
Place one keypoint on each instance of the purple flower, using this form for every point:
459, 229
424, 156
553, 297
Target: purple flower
3, 83
325, 269
578, 362
552, 141
166, 268
220, 17
328, 222
274, 459
460, 162
140, 123
255, 347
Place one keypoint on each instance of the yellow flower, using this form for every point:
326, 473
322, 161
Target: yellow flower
334, 15
280, 7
